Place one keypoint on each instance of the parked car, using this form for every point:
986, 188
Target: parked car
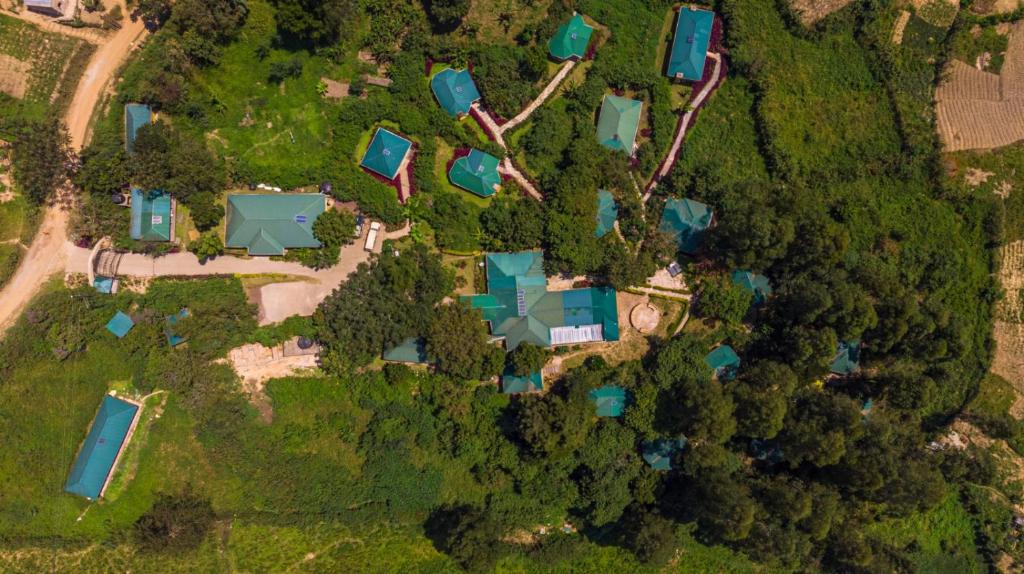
371, 237
359, 225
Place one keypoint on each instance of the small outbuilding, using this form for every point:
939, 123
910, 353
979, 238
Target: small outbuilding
753, 283
120, 324
847, 358
515, 384
607, 212
53, 8
658, 453
152, 216
455, 91
386, 153
724, 361
170, 322
107, 436
571, 40
609, 400
618, 123
412, 350
686, 221
135, 116
477, 173
270, 224
690, 45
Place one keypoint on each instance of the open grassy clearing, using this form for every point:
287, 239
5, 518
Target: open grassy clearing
942, 539
39, 70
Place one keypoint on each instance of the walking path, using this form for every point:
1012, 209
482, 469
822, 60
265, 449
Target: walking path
508, 168
489, 126
47, 256
684, 124
548, 90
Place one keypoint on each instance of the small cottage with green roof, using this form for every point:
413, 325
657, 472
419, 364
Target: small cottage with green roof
658, 453
386, 153
609, 400
690, 45
686, 221
724, 361
120, 324
571, 40
269, 224
152, 217
170, 323
753, 283
607, 212
135, 116
455, 91
96, 458
411, 350
847, 358
618, 123
476, 173
512, 383
519, 307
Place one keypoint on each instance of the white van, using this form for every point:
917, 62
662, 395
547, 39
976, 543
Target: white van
371, 236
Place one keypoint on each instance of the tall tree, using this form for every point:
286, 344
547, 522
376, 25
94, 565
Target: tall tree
458, 342
41, 157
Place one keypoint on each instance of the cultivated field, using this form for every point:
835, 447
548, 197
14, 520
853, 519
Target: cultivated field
812, 11
37, 68
981, 110
1009, 323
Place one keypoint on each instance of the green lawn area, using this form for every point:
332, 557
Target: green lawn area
13, 218
942, 538
48, 66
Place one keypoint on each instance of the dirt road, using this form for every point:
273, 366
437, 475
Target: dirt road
47, 255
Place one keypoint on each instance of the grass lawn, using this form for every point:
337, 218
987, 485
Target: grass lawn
13, 216
184, 230
943, 538
995, 396
665, 40
50, 67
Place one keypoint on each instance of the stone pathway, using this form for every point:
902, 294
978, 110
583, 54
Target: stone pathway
508, 168
544, 95
684, 124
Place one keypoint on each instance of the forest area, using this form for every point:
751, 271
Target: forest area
819, 157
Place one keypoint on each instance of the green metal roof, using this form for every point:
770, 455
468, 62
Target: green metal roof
571, 39
609, 400
686, 221
658, 453
411, 350
512, 384
101, 447
520, 308
455, 91
618, 123
269, 224
135, 116
386, 153
724, 361
607, 212
120, 324
847, 358
753, 283
151, 216
476, 172
169, 323
690, 44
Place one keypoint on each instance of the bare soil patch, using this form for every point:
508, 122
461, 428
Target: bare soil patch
989, 7
14, 75
335, 90
813, 11
981, 110
1009, 322
257, 364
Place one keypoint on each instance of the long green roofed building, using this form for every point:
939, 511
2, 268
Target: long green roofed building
455, 91
476, 173
521, 309
618, 123
686, 221
690, 44
269, 224
151, 216
135, 116
386, 153
607, 213
99, 452
571, 39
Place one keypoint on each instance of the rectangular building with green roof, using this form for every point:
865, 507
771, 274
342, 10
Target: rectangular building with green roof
512, 383
269, 224
152, 216
476, 173
455, 91
99, 452
618, 123
386, 153
521, 309
135, 116
571, 39
690, 45
686, 221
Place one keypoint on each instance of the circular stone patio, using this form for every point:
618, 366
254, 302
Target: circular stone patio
644, 317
